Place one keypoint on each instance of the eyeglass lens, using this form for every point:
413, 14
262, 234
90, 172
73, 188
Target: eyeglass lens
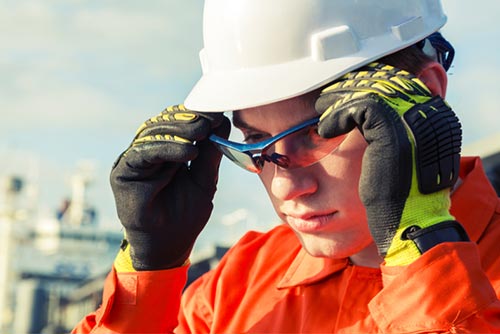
297, 150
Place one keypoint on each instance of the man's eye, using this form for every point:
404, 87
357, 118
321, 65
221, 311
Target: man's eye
254, 137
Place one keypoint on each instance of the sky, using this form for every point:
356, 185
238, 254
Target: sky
77, 77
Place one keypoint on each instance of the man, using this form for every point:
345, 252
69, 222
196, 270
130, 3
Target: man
368, 241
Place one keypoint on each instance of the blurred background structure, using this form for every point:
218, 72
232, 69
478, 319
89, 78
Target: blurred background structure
44, 259
78, 77
52, 267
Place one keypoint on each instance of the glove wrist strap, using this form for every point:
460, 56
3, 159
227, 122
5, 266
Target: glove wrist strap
426, 238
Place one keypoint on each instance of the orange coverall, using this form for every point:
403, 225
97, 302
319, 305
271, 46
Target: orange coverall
268, 284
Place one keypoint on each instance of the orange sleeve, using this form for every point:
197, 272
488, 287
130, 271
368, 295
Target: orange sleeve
445, 290
196, 313
140, 302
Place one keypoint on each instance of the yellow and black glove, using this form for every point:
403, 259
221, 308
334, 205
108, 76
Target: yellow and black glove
412, 158
163, 185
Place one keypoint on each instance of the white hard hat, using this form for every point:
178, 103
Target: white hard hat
261, 51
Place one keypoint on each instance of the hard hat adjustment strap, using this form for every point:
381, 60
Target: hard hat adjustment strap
442, 49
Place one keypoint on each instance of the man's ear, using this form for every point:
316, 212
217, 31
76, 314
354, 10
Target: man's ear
434, 76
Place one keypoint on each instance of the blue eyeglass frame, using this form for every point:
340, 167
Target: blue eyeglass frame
257, 151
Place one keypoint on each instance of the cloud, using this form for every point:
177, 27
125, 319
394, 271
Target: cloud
78, 77
86, 63
32, 24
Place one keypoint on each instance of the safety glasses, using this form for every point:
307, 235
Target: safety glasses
297, 147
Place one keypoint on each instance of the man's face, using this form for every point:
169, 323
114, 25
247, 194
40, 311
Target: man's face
320, 202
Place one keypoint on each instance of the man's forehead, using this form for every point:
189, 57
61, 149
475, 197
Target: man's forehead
287, 106
285, 113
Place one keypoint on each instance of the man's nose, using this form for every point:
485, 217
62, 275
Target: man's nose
288, 184
286, 146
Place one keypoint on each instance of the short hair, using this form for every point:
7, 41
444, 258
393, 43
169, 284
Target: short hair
411, 59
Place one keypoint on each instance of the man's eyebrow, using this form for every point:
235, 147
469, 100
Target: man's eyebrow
241, 124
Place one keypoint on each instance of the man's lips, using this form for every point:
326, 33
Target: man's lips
309, 222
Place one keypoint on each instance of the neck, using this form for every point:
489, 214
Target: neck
367, 257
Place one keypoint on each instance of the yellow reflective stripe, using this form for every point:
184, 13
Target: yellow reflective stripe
331, 87
184, 117
348, 83
363, 83
387, 68
422, 114
326, 113
421, 84
174, 108
361, 74
402, 83
403, 73
338, 103
157, 138
357, 95
384, 88
183, 140
380, 74
143, 125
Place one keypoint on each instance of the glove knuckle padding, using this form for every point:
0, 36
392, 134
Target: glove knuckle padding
438, 138
186, 124
413, 146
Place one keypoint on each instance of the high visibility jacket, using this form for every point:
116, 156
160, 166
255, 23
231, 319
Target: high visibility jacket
267, 283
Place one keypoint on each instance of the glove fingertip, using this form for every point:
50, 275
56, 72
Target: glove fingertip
205, 168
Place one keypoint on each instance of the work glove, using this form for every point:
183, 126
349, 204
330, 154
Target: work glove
410, 163
163, 186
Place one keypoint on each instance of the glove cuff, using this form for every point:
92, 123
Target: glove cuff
416, 240
426, 238
154, 251
123, 261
